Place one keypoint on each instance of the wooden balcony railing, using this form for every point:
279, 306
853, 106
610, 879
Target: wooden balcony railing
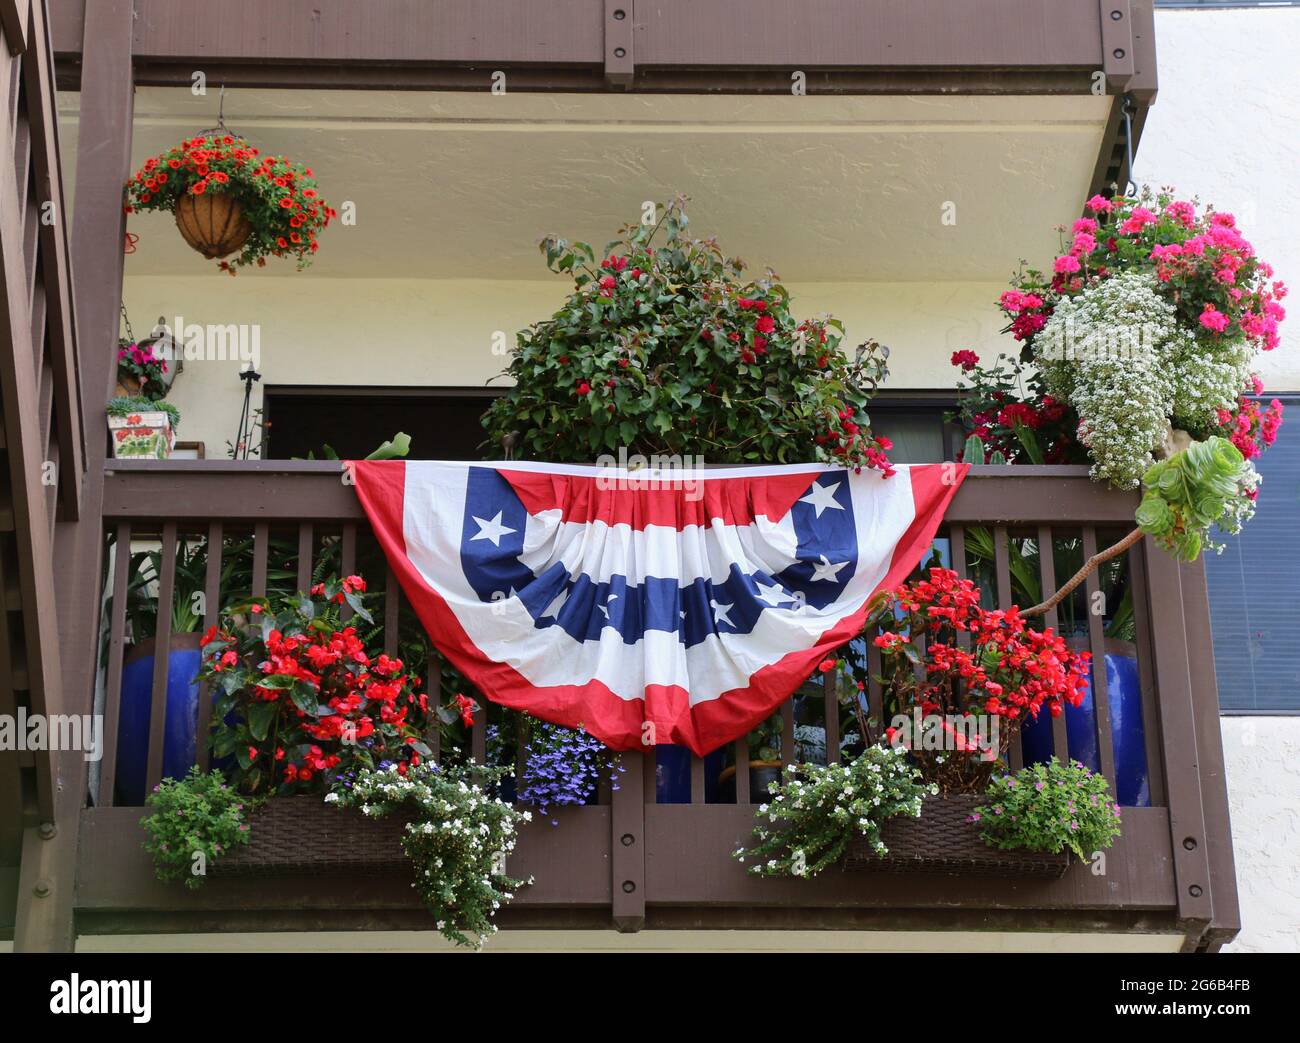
632, 860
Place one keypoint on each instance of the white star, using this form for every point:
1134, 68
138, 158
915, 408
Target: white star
720, 613
553, 609
605, 607
771, 596
492, 530
822, 496
827, 571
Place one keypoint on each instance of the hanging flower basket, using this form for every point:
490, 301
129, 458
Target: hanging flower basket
214, 225
943, 841
231, 201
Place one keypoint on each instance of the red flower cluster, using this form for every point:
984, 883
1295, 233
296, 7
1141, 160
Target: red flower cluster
304, 696
279, 197
1001, 667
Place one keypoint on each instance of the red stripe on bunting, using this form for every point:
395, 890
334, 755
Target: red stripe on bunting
733, 501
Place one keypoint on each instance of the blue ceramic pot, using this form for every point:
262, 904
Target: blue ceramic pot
673, 775
179, 751
1124, 697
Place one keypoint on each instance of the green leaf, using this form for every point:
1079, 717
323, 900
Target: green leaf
260, 716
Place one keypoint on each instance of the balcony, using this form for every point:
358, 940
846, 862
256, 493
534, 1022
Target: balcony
630, 862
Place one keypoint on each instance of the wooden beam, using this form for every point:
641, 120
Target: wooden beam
45, 898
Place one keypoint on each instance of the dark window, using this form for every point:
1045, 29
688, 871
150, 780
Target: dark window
443, 424
1255, 588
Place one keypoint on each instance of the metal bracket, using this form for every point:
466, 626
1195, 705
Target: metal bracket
619, 68
1116, 43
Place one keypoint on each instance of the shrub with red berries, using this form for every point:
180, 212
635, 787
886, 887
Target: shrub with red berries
301, 699
278, 196
666, 348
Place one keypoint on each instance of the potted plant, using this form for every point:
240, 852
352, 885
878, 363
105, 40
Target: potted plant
142, 428
960, 680
1142, 342
1049, 807
229, 199
666, 347
1123, 680
141, 372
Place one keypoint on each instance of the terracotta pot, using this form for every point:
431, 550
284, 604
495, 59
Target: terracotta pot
214, 224
763, 775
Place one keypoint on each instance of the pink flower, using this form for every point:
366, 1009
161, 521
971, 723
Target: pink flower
1100, 205
1137, 220
1214, 320
1066, 265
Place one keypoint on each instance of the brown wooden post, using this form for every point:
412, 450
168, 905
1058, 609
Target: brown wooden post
45, 899
627, 841
1226, 919
1178, 737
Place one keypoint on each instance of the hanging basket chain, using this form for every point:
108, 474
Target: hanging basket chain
126, 321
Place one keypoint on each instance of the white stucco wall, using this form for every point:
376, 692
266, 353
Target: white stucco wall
429, 332
1263, 764
1226, 127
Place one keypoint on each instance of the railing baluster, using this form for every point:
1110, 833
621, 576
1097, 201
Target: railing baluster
1097, 645
742, 770
957, 548
697, 780
261, 548
1047, 577
788, 754
161, 647
1138, 582
478, 734
211, 614
349, 563
831, 697
1002, 578
306, 541
875, 690
434, 689
116, 647
392, 597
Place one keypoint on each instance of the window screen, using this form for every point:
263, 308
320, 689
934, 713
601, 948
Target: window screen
1255, 588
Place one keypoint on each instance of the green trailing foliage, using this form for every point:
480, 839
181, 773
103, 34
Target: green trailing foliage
457, 838
195, 821
1049, 807
817, 810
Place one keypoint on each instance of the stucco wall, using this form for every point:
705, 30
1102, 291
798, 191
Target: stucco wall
1263, 764
440, 331
1226, 126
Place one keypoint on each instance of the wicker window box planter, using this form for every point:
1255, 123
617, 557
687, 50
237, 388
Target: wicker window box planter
942, 841
304, 836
